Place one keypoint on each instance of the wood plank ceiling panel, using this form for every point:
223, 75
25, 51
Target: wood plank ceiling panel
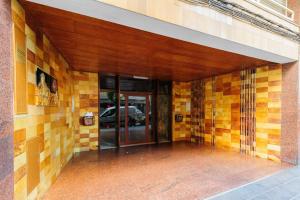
95, 45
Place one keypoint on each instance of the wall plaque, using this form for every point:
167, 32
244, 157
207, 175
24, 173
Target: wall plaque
47, 89
178, 118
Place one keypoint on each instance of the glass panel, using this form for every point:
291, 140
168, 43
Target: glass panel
137, 85
107, 120
107, 82
151, 136
271, 4
122, 119
136, 119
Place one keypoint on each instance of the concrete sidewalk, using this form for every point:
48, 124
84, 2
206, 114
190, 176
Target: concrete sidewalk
282, 185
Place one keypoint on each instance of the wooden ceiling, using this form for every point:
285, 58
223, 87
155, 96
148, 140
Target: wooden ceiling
95, 45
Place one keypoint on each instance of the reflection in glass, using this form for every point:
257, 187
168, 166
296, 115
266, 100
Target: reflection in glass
151, 136
122, 119
136, 119
135, 116
135, 111
108, 119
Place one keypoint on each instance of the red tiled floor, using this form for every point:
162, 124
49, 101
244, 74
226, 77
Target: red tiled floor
178, 171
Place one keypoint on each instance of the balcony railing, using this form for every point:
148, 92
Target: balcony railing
276, 6
240, 12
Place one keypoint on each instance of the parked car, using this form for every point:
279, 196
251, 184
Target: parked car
108, 116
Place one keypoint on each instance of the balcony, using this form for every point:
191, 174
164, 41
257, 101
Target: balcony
277, 7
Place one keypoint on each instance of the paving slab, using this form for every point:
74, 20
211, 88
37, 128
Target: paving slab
283, 185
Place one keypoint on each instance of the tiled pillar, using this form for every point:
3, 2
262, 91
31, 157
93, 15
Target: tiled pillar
290, 151
290, 118
6, 103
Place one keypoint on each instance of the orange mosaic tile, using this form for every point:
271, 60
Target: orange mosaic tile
198, 111
86, 100
222, 116
268, 112
227, 114
181, 100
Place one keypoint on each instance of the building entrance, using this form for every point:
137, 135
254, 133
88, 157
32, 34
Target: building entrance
135, 118
133, 111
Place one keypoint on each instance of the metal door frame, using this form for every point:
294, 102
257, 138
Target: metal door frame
147, 132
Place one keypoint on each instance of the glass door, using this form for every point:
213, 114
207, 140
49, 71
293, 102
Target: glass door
135, 117
108, 119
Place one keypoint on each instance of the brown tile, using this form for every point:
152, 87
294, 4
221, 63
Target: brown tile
20, 173
30, 56
261, 79
39, 62
262, 89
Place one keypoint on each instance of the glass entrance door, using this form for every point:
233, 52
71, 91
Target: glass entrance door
135, 118
108, 119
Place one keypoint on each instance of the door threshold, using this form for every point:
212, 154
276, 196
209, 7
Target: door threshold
139, 144
162, 142
105, 148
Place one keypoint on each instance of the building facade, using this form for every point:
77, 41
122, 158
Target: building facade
90, 75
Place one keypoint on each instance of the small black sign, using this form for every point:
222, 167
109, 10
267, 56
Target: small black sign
178, 118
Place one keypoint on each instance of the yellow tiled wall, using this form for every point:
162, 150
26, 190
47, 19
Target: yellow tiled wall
86, 100
197, 111
268, 112
181, 100
227, 115
43, 137
208, 105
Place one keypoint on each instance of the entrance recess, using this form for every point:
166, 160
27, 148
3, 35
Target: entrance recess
133, 111
135, 118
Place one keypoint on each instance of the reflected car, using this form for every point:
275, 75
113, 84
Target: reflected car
108, 117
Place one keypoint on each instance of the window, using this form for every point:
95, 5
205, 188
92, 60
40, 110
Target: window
279, 6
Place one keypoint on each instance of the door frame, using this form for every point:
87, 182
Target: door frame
147, 130
154, 111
